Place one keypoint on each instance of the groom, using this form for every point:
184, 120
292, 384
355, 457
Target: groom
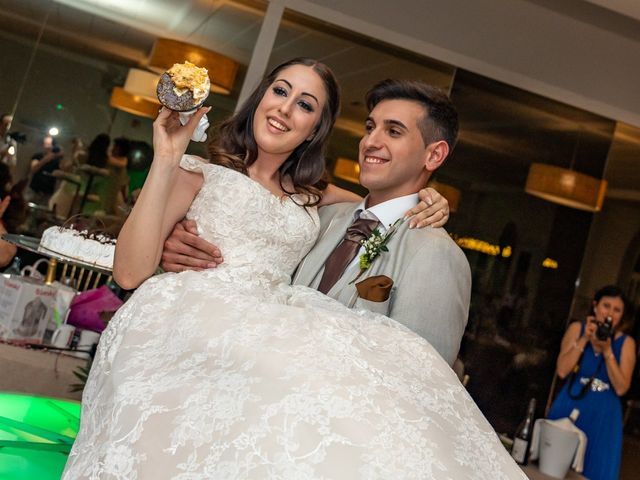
423, 279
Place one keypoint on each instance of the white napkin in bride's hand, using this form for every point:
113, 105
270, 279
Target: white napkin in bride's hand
200, 133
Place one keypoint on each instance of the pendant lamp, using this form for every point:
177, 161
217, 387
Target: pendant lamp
222, 69
143, 84
566, 187
134, 104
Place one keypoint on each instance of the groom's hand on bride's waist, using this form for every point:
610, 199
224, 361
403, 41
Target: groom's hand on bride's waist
184, 249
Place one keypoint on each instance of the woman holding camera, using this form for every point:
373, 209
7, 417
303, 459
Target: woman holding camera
598, 359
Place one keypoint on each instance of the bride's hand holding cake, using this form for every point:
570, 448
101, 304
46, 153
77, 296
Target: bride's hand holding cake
170, 137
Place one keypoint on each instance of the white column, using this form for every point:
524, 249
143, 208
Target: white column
262, 49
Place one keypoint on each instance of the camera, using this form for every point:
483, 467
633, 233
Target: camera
604, 329
18, 137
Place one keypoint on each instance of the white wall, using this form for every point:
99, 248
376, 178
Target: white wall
591, 63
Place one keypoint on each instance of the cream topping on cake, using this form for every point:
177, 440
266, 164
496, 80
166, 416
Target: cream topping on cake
96, 249
188, 77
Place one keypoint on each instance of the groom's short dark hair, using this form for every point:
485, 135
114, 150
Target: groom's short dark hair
441, 121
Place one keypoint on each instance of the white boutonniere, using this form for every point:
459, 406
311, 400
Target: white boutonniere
376, 243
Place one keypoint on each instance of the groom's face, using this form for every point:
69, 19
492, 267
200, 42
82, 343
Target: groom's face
392, 152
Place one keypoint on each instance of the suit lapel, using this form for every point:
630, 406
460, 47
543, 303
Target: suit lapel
386, 263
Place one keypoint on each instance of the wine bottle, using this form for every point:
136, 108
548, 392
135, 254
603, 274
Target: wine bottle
522, 438
14, 269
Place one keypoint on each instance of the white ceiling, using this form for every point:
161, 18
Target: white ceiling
123, 31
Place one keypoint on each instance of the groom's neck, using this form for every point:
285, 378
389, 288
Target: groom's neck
376, 198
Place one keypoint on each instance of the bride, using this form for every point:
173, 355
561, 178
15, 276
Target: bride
232, 373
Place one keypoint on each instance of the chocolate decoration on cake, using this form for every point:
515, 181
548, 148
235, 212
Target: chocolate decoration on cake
171, 100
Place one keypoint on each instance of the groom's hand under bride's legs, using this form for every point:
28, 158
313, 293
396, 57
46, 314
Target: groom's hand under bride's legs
184, 249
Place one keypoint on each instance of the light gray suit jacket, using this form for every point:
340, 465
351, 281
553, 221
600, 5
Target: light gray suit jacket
432, 278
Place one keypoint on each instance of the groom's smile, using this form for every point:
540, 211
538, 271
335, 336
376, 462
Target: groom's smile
370, 159
392, 152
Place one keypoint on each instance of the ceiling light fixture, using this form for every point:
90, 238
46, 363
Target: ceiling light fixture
222, 70
134, 104
565, 186
143, 84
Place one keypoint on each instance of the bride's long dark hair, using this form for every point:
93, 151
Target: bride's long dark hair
234, 146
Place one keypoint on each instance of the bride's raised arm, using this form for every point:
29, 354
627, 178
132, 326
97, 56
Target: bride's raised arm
433, 208
164, 200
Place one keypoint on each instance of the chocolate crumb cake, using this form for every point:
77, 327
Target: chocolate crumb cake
183, 87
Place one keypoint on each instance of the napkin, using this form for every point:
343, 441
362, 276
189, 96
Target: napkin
200, 133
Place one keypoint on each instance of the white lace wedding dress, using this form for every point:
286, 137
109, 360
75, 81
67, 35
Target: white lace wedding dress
232, 373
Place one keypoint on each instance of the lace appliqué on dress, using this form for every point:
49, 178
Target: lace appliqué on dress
231, 373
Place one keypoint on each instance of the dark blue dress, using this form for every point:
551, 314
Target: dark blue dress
600, 413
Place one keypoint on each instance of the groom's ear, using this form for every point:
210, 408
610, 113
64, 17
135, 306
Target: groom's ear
435, 155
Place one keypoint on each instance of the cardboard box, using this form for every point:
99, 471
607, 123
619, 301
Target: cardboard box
26, 308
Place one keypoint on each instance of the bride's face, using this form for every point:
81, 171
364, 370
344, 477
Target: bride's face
290, 111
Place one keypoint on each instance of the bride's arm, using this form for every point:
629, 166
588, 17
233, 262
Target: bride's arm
163, 201
433, 208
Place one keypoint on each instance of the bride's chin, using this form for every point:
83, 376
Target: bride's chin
273, 148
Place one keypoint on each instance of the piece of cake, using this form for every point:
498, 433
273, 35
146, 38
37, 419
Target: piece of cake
91, 248
184, 87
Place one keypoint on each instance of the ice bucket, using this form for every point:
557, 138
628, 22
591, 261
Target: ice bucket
557, 449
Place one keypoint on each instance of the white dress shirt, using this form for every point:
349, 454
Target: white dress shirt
387, 212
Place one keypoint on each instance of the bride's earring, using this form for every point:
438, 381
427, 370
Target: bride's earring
311, 137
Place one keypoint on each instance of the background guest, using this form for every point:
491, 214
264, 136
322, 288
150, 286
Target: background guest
116, 184
8, 146
12, 212
79, 152
97, 156
98, 152
43, 164
599, 369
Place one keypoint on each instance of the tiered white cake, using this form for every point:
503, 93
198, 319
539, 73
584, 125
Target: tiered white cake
95, 249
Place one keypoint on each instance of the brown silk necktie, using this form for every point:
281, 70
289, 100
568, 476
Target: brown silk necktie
345, 252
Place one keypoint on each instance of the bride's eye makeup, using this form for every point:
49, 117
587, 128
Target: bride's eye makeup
306, 106
279, 91
282, 92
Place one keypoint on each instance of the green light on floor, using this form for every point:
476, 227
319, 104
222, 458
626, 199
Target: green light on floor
36, 434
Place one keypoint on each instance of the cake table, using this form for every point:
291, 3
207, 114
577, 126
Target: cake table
85, 275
